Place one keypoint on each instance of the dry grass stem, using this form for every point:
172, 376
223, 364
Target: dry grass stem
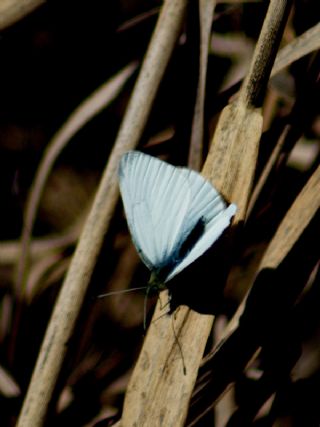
8, 386
225, 406
206, 10
12, 11
85, 112
10, 250
291, 228
288, 233
159, 392
267, 169
302, 45
76, 282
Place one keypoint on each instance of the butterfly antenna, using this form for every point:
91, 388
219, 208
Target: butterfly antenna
161, 316
123, 291
176, 338
145, 308
163, 306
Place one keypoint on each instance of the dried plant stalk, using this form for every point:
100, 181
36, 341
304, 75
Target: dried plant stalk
306, 43
294, 223
291, 228
300, 214
267, 169
12, 11
206, 10
76, 282
159, 392
83, 113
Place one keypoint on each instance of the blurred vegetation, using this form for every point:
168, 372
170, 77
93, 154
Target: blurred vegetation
51, 61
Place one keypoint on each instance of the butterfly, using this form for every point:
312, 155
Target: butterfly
174, 214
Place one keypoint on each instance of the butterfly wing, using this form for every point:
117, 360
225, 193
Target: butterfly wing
206, 205
163, 204
205, 201
156, 198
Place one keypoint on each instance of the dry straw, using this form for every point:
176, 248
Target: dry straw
76, 282
159, 392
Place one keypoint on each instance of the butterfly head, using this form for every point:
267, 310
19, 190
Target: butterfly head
155, 284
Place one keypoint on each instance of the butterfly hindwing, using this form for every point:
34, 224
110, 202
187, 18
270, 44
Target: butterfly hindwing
212, 231
208, 205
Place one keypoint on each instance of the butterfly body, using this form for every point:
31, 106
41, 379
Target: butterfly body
174, 214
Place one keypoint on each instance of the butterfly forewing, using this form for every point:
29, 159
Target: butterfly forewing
156, 199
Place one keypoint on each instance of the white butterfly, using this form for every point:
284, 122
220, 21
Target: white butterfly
174, 214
